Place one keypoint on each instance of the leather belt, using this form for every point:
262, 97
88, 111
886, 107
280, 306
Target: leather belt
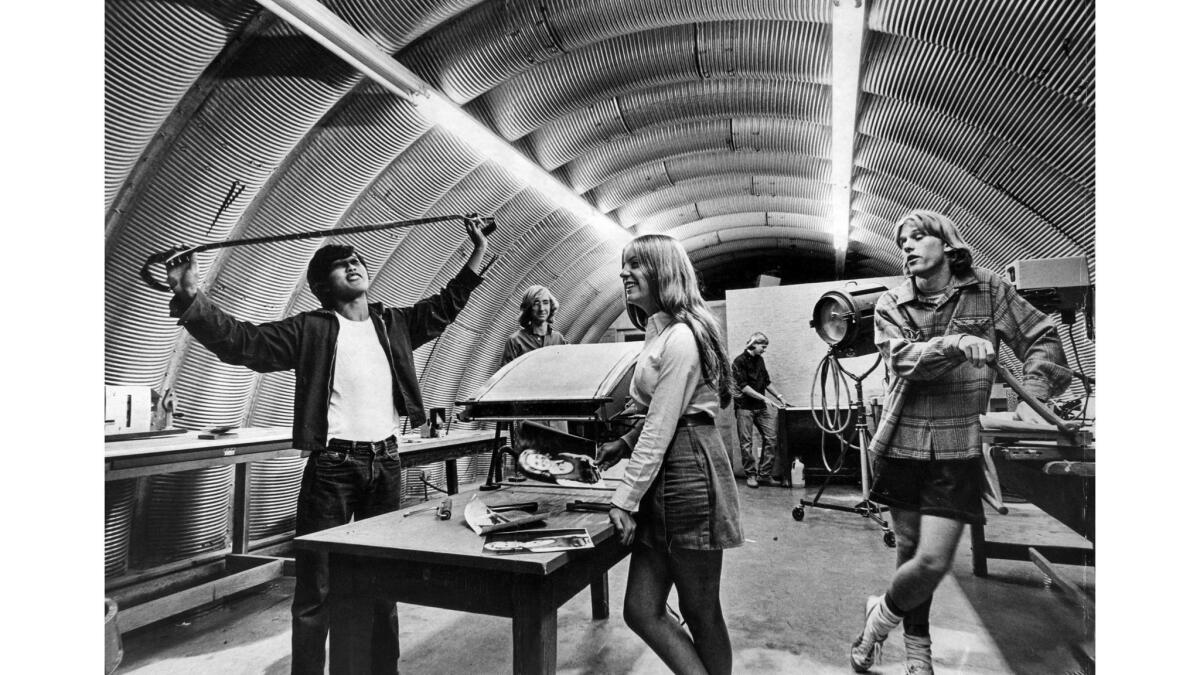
361, 447
697, 419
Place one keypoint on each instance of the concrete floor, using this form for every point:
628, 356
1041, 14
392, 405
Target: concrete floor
792, 595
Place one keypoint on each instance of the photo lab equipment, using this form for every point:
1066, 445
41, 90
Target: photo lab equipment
845, 320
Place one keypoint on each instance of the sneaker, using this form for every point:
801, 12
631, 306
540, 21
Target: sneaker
769, 481
867, 648
918, 655
751, 481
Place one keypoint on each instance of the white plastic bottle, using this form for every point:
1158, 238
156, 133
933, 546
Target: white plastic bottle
797, 473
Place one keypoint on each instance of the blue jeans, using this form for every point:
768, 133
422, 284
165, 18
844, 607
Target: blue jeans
335, 487
764, 421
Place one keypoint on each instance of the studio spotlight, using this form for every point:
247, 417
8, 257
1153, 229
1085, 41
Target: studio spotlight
845, 319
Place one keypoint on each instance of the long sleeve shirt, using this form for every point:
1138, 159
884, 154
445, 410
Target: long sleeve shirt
524, 341
750, 370
306, 343
667, 384
935, 396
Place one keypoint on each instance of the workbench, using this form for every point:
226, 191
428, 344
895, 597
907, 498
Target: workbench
187, 451
1058, 479
435, 563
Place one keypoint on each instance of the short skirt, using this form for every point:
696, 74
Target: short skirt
693, 502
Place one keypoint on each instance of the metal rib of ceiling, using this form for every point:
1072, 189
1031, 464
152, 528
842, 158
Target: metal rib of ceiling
708, 120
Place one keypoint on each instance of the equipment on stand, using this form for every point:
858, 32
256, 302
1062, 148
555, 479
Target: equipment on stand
845, 320
865, 508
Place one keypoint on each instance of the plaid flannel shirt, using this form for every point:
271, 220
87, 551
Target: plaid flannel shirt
934, 395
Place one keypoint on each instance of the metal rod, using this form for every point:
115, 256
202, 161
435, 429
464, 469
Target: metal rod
169, 255
1038, 407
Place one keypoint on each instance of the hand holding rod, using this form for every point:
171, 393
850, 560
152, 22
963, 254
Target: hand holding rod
1038, 407
169, 255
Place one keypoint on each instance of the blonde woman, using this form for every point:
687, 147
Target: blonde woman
677, 502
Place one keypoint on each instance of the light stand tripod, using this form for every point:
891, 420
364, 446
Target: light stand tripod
866, 508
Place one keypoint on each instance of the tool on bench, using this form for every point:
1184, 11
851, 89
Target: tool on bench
596, 507
443, 509
531, 507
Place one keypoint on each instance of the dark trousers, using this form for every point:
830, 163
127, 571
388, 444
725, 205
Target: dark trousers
335, 487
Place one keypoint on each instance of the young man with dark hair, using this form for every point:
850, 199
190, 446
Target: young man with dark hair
938, 332
755, 411
354, 379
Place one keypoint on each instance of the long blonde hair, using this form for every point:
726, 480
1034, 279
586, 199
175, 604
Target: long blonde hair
674, 287
938, 225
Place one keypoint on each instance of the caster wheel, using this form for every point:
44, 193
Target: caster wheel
889, 538
798, 513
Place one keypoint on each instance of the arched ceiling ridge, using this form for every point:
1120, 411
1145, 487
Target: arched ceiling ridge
706, 208
724, 185
394, 26
155, 53
652, 176
497, 42
747, 135
630, 63
1050, 43
964, 190
1004, 104
591, 127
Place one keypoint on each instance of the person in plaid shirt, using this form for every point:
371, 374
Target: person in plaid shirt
938, 334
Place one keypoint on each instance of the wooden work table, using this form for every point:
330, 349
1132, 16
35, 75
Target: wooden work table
441, 563
187, 451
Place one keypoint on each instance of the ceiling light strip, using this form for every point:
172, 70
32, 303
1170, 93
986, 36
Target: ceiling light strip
848, 35
329, 30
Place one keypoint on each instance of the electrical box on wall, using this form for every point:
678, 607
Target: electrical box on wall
126, 409
1051, 284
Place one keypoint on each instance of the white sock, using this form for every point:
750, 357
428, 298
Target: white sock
881, 621
918, 648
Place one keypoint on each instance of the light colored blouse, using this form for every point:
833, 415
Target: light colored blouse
667, 384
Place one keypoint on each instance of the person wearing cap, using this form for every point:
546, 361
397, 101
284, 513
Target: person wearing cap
755, 411
346, 415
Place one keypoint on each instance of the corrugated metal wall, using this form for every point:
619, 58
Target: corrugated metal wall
709, 120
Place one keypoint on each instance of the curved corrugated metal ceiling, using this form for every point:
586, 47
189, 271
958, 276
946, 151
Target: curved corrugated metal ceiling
708, 120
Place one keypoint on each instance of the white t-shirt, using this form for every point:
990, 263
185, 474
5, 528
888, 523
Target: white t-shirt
361, 408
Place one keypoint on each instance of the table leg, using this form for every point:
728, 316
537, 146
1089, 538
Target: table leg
600, 597
241, 499
978, 551
451, 476
535, 628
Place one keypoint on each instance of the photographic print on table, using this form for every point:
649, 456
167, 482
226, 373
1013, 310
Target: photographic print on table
537, 541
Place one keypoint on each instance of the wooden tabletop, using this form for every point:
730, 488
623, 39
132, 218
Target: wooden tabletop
177, 452
423, 538
191, 441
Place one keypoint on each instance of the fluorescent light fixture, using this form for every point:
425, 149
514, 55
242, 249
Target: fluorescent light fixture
318, 22
847, 35
445, 113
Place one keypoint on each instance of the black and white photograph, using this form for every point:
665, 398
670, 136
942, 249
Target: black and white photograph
765, 333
